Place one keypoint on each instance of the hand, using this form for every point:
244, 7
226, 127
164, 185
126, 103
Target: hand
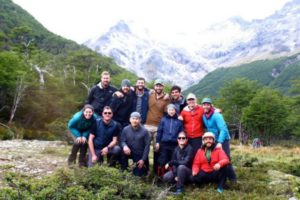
180, 118
194, 173
167, 166
219, 145
94, 158
176, 178
126, 150
140, 164
104, 151
119, 94
156, 147
167, 97
78, 140
217, 166
83, 140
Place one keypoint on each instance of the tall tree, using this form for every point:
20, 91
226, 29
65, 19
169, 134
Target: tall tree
235, 96
266, 114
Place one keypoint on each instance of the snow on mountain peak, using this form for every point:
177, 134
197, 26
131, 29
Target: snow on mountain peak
185, 58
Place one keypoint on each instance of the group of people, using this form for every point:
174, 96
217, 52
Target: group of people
120, 124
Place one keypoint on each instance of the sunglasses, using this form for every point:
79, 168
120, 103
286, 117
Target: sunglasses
181, 138
107, 113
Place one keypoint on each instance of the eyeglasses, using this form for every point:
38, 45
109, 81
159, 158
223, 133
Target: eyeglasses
107, 113
191, 99
181, 138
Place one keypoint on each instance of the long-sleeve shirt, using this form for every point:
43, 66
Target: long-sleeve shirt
137, 140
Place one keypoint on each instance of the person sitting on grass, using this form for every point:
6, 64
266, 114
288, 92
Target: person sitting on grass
80, 126
166, 140
210, 163
135, 143
180, 163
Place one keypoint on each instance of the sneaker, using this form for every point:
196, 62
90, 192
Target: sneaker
220, 190
179, 191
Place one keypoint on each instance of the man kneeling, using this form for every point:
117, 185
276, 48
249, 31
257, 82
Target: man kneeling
135, 142
210, 163
103, 140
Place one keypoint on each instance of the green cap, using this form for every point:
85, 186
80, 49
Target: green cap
206, 100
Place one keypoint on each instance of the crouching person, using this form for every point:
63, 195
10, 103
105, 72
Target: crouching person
135, 143
210, 163
181, 162
103, 140
80, 126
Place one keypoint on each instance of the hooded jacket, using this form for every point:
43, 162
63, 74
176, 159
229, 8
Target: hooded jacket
201, 163
80, 126
192, 120
168, 129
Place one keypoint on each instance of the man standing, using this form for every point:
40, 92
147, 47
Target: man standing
177, 99
210, 163
103, 139
215, 123
122, 106
191, 116
157, 106
101, 94
141, 98
135, 144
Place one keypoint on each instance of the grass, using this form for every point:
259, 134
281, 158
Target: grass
264, 173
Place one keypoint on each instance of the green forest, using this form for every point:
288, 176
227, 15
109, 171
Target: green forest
44, 78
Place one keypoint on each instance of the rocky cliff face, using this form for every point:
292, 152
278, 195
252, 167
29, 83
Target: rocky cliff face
228, 43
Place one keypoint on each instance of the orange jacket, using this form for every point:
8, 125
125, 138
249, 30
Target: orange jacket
192, 121
201, 162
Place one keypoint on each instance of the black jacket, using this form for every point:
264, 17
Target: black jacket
100, 97
122, 107
183, 156
137, 140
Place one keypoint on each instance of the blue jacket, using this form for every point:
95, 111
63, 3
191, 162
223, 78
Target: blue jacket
216, 124
79, 126
145, 99
104, 133
168, 129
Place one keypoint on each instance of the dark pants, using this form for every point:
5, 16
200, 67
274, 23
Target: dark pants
166, 150
136, 170
82, 148
196, 143
218, 177
230, 171
113, 155
182, 172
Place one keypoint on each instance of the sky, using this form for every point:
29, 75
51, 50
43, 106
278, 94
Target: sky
80, 20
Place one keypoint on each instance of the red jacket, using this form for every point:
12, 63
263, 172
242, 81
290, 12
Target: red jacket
192, 121
201, 162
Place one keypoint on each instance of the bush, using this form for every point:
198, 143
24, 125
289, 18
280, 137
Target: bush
98, 182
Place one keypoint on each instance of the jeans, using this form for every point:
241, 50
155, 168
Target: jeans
182, 173
113, 155
218, 177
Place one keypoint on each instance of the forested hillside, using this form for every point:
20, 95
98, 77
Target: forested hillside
277, 73
44, 78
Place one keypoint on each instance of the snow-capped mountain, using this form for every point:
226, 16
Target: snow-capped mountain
227, 43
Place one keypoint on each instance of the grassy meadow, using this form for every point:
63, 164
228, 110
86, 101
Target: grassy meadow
264, 173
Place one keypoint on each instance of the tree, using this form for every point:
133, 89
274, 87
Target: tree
235, 96
294, 116
266, 114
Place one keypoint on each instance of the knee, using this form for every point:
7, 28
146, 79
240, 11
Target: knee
181, 168
116, 150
